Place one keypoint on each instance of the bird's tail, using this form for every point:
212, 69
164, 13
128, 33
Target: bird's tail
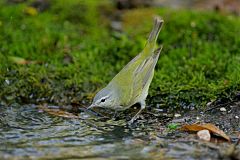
150, 45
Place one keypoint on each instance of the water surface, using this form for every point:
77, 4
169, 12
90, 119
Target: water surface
26, 132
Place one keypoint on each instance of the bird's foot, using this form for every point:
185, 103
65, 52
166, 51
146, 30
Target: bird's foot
133, 119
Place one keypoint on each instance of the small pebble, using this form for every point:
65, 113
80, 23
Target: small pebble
237, 117
159, 110
177, 115
223, 109
7, 81
117, 25
204, 135
197, 118
209, 104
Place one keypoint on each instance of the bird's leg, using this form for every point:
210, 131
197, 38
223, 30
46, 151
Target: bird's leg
143, 105
115, 115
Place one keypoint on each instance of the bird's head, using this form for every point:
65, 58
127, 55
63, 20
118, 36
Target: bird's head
105, 98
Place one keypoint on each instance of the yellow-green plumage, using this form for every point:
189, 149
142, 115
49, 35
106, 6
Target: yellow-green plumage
131, 84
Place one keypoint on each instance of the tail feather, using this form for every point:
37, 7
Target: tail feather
158, 22
149, 48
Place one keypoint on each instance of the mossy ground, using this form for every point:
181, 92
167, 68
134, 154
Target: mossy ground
75, 52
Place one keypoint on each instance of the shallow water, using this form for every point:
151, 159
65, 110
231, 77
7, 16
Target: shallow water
26, 132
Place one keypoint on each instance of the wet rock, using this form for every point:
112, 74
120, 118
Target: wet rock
223, 109
177, 115
209, 104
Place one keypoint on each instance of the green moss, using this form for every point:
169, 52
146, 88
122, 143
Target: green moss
76, 53
200, 58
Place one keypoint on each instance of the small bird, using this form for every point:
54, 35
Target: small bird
131, 84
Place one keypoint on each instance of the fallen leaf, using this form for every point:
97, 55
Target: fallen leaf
57, 112
212, 128
238, 142
19, 60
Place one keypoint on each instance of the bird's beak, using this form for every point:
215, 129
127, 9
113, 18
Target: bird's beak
91, 106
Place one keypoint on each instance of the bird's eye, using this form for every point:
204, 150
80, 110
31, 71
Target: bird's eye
102, 100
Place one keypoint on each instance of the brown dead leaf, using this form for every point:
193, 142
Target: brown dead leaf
57, 112
212, 128
238, 142
19, 60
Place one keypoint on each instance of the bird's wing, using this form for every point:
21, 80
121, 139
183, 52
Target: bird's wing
151, 65
144, 73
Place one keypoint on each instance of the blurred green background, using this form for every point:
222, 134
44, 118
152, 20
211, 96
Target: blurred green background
62, 52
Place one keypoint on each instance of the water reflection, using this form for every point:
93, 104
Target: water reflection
27, 131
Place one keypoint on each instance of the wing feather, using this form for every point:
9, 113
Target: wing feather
144, 73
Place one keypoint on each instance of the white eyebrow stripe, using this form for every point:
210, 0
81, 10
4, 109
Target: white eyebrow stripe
105, 97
